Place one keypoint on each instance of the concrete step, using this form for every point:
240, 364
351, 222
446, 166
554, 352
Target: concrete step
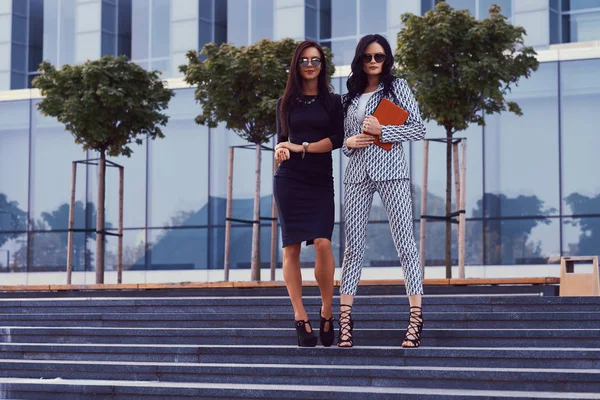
72, 389
521, 379
573, 358
589, 338
366, 304
378, 290
440, 320
208, 346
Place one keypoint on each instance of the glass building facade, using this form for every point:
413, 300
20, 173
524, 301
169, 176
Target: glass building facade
533, 193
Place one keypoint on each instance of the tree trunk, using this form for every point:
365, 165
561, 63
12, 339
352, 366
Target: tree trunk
255, 261
448, 256
100, 219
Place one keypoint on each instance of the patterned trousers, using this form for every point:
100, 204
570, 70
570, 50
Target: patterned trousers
358, 199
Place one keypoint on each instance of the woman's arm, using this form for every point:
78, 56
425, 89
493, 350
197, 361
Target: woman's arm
413, 129
337, 125
345, 149
322, 146
329, 143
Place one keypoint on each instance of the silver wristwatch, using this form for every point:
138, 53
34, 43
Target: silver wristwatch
304, 148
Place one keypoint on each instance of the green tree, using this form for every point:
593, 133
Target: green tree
460, 68
508, 240
589, 237
239, 86
106, 104
12, 219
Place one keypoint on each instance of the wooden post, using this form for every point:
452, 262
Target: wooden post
71, 224
462, 218
120, 237
456, 174
423, 206
274, 230
100, 219
255, 257
228, 213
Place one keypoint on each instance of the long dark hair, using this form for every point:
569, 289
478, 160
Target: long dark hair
357, 80
293, 89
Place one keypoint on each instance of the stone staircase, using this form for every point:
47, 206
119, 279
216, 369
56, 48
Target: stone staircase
500, 342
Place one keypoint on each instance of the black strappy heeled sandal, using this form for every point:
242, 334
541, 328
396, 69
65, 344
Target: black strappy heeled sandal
346, 327
305, 339
327, 337
415, 327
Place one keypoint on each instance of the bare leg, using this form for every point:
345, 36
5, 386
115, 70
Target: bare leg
293, 281
324, 270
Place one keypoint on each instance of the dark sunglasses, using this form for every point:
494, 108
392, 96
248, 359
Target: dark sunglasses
315, 62
379, 57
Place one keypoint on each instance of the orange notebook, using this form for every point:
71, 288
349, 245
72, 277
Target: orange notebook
388, 113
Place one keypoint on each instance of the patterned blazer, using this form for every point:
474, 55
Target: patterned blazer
373, 161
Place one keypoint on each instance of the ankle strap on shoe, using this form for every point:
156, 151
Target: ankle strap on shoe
300, 323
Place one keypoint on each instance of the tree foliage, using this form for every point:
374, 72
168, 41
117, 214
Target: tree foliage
239, 86
589, 237
12, 219
106, 104
459, 66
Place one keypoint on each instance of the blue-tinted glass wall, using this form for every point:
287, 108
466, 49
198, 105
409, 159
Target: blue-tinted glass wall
61, 32
20, 42
116, 27
574, 21
79, 30
520, 209
534, 15
339, 24
162, 31
249, 21
477, 8
5, 44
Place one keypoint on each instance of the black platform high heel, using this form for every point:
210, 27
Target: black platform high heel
305, 339
327, 337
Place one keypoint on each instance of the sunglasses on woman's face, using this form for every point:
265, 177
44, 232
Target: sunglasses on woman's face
315, 62
379, 57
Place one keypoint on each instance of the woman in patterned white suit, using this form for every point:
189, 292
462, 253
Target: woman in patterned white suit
372, 169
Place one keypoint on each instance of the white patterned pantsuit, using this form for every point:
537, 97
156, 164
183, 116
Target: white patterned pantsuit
396, 198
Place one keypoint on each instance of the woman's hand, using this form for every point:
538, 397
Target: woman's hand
282, 154
372, 126
359, 141
294, 148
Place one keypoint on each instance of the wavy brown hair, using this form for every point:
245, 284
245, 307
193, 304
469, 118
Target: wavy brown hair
293, 88
357, 81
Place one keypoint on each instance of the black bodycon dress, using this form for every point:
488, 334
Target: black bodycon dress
303, 187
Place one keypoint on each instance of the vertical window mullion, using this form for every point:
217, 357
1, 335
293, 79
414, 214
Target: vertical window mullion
357, 5
150, 9
249, 22
58, 29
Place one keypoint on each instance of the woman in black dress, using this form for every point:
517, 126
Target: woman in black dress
309, 127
